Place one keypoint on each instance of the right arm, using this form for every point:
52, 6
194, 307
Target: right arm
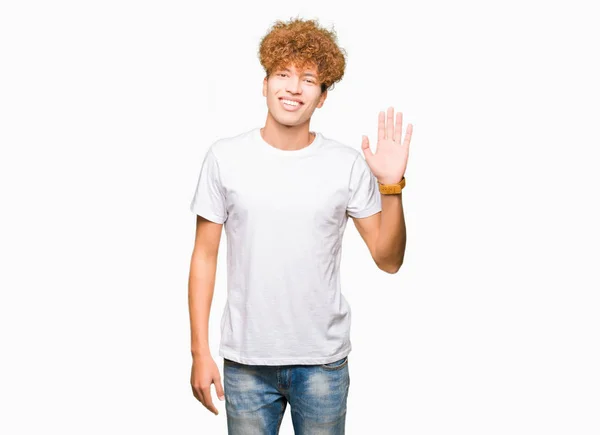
203, 269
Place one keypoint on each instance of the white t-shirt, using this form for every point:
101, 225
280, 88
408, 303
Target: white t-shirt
284, 214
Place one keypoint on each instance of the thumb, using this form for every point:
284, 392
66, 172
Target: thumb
219, 389
366, 148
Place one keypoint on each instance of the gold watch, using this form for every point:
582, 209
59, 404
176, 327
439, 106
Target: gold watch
391, 189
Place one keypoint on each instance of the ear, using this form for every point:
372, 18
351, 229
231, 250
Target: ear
264, 91
322, 99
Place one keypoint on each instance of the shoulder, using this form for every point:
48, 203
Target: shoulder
229, 147
340, 150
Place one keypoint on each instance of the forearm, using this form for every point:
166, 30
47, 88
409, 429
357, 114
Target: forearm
200, 295
391, 239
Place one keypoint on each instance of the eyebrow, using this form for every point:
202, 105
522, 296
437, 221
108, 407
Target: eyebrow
306, 73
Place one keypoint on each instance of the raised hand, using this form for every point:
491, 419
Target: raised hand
389, 161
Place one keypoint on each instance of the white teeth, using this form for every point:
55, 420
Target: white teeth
291, 103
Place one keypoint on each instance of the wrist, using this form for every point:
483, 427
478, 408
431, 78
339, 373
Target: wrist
389, 181
201, 352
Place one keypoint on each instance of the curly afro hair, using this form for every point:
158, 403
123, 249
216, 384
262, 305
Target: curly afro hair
303, 43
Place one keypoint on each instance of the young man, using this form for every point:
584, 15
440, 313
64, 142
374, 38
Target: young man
284, 195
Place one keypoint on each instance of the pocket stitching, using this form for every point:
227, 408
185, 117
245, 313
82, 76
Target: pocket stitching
325, 367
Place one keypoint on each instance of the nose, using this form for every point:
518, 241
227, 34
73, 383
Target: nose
293, 85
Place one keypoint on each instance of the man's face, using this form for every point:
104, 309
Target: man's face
288, 83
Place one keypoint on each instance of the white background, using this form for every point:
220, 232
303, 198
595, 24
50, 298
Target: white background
491, 325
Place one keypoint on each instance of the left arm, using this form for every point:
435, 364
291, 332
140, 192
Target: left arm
391, 240
385, 233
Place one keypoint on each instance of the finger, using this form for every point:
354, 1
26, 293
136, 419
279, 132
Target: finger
196, 394
389, 131
201, 397
398, 129
381, 127
408, 135
219, 388
366, 148
207, 402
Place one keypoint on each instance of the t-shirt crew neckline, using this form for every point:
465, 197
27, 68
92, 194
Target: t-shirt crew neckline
267, 147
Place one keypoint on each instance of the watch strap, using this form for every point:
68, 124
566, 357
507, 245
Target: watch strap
390, 189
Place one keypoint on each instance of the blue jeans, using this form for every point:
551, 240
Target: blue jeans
256, 397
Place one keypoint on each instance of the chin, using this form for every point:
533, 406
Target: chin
288, 124
288, 121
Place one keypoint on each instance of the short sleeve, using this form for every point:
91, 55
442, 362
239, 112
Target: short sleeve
209, 199
365, 198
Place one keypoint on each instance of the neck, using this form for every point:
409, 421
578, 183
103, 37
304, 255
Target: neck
287, 137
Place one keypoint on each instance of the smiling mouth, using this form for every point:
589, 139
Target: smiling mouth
291, 106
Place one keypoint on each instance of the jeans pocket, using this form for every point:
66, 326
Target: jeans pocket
335, 365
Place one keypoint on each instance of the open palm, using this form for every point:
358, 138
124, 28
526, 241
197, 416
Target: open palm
389, 161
